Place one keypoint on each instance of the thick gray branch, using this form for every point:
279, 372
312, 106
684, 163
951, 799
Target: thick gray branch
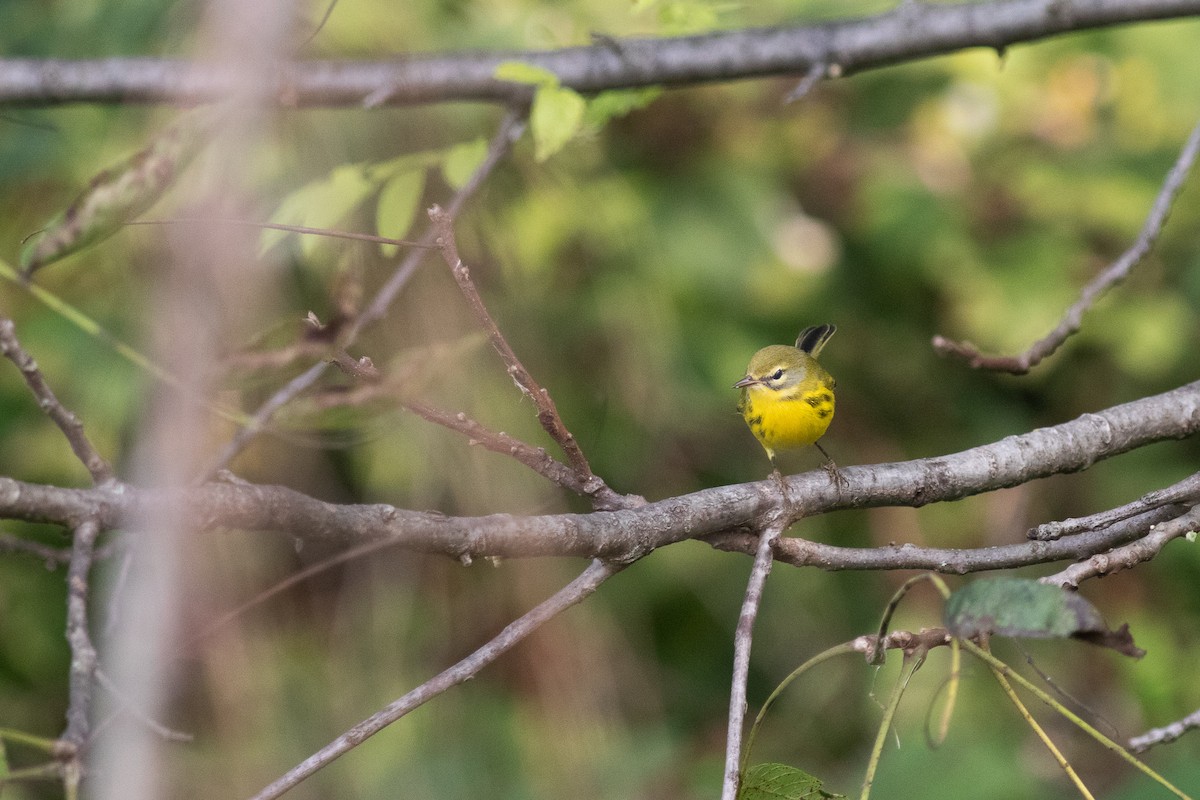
910, 32
630, 533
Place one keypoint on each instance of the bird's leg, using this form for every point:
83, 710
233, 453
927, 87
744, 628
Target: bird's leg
831, 468
777, 476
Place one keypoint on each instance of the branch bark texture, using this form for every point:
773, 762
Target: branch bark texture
911, 31
627, 534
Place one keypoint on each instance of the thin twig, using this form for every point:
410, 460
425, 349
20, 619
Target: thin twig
53, 556
1167, 733
128, 706
1068, 714
326, 233
814, 75
509, 130
320, 25
574, 592
288, 582
536, 458
1130, 555
1041, 733
83, 652
1072, 320
912, 662
947, 560
742, 640
1186, 490
67, 422
547, 412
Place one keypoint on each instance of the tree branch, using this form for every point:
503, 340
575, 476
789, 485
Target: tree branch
574, 592
1167, 733
909, 32
547, 412
66, 421
627, 534
83, 652
1186, 490
1072, 320
1130, 555
509, 131
742, 640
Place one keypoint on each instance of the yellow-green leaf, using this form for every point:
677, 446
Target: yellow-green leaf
686, 17
520, 72
555, 118
323, 203
462, 160
396, 205
617, 103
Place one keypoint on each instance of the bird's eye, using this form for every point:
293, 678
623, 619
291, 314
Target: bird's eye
777, 374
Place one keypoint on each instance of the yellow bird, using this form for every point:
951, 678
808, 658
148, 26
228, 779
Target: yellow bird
787, 397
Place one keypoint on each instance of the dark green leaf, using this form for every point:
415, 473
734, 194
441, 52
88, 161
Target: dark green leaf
1025, 608
780, 782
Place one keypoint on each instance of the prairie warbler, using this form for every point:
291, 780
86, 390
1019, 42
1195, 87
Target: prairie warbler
787, 397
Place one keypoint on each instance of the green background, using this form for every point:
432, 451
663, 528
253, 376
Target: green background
635, 272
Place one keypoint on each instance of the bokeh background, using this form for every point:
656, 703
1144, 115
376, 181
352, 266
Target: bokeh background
635, 272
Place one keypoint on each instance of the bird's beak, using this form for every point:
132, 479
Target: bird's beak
746, 381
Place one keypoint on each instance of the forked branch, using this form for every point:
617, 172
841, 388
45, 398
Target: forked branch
1116, 272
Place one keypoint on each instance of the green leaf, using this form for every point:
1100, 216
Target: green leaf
396, 205
617, 103
462, 160
780, 782
1026, 608
119, 194
686, 17
555, 118
520, 72
323, 203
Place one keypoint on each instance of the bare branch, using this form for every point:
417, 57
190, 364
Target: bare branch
911, 31
1130, 555
577, 590
815, 73
870, 645
53, 556
742, 640
510, 129
547, 412
536, 458
627, 534
128, 706
1167, 733
83, 653
955, 561
66, 421
1186, 490
1116, 272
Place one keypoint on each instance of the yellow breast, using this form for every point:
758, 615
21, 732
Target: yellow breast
788, 419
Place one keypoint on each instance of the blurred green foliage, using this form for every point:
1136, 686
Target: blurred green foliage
635, 272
